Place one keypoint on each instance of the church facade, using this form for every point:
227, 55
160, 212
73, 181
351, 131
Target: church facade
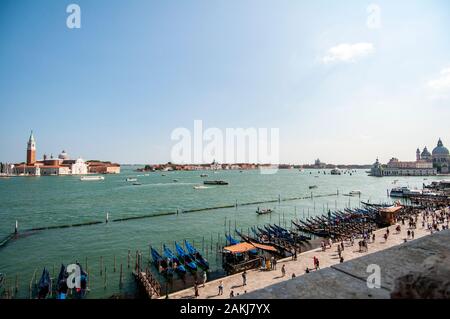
426, 164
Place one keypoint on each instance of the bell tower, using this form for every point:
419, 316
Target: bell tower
31, 150
418, 155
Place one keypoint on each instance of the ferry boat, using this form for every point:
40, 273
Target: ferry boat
92, 178
404, 192
215, 183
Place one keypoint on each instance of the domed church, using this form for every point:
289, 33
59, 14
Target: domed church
441, 158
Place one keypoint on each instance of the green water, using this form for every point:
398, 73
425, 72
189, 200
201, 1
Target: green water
45, 201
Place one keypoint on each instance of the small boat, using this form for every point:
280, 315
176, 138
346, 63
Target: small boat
264, 211
175, 180
137, 184
81, 292
91, 178
61, 283
174, 261
215, 183
203, 175
312, 186
201, 262
335, 171
200, 187
185, 258
355, 192
44, 285
131, 179
161, 264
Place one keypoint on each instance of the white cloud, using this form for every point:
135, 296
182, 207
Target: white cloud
440, 86
346, 52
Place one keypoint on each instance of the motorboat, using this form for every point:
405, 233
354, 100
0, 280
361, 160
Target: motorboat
92, 178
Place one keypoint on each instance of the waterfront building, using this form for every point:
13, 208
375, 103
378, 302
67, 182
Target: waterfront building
62, 165
319, 164
426, 164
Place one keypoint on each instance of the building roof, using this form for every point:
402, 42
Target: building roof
440, 149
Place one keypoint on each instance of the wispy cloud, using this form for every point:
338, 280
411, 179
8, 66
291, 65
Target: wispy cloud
440, 86
346, 52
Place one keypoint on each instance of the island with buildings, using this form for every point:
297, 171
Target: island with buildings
61, 165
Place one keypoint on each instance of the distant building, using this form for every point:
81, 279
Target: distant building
319, 164
426, 164
62, 165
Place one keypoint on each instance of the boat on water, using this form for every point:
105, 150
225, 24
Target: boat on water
175, 180
161, 264
404, 192
174, 262
61, 283
355, 192
215, 183
200, 187
91, 178
44, 285
203, 175
137, 183
131, 179
312, 186
185, 259
201, 262
335, 171
264, 211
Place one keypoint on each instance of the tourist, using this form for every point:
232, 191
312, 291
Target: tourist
244, 278
307, 270
274, 264
196, 289
342, 245
408, 233
205, 277
341, 259
317, 264
412, 234
322, 244
295, 254
231, 294
293, 275
220, 287
373, 238
283, 271
263, 263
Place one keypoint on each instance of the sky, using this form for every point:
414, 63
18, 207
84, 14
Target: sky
343, 81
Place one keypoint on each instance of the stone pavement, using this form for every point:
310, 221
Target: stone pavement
257, 279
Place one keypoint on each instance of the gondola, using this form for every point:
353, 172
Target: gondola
179, 268
161, 264
61, 283
81, 292
185, 259
44, 285
201, 262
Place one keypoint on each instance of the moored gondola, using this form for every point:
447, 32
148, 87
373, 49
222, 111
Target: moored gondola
185, 259
199, 259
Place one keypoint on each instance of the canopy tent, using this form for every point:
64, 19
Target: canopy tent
244, 247
391, 209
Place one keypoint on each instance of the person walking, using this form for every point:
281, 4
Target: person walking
244, 278
283, 271
205, 277
274, 264
412, 234
317, 264
196, 289
231, 294
220, 287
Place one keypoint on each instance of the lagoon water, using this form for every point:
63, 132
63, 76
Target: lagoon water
60, 200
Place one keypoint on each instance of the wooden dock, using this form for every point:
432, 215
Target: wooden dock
148, 283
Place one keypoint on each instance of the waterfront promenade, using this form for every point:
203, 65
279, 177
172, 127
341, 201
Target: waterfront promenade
257, 279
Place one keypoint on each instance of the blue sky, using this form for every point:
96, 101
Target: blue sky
136, 70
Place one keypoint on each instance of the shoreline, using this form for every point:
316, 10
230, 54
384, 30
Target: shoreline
257, 279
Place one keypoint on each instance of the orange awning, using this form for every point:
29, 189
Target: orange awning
391, 209
244, 247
